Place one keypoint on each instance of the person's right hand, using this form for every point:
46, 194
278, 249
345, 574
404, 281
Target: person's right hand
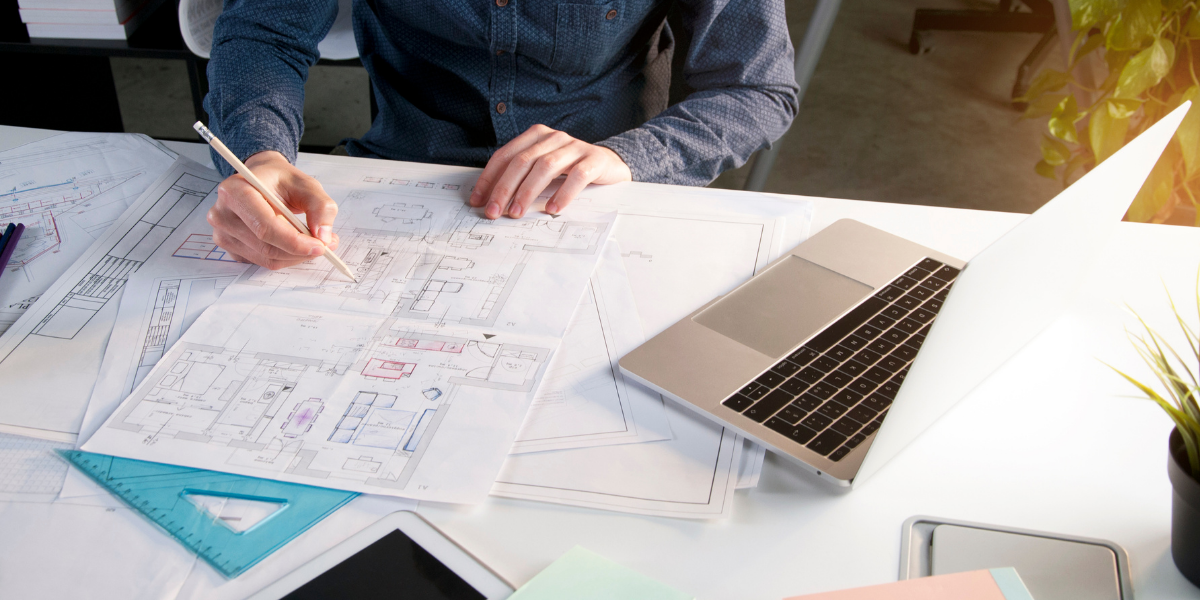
245, 225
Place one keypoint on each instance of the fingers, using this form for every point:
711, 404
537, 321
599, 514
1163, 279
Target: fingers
239, 197
266, 256
499, 162
518, 166
544, 170
307, 196
585, 171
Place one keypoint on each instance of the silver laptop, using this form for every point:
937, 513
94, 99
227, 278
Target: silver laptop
841, 352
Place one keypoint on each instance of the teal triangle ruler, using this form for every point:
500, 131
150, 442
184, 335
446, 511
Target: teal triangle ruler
166, 494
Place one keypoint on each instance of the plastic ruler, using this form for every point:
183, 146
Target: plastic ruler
160, 492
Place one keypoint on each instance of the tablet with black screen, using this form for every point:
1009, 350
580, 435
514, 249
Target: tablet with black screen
400, 556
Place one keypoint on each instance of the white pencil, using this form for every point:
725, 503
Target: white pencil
270, 195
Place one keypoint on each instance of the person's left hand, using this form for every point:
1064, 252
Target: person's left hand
520, 171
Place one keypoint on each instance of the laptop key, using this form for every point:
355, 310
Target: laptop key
839, 454
946, 273
921, 293
848, 323
906, 352
825, 363
867, 331
881, 321
894, 312
847, 398
935, 284
792, 414
853, 367
837, 379
794, 386
801, 434
877, 374
892, 363
816, 422
881, 346
839, 353
846, 427
803, 356
822, 390
810, 374
889, 293
861, 413
909, 326
738, 402
870, 428
853, 342
769, 405
867, 356
862, 386
854, 441
769, 379
754, 390
917, 272
922, 315
809, 403
826, 442
933, 304
930, 264
785, 368
876, 402
905, 283
908, 302
888, 389
894, 336
832, 410
780, 425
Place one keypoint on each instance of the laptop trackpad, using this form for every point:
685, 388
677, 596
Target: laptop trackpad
789, 302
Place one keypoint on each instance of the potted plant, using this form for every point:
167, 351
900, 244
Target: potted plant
1182, 403
1131, 63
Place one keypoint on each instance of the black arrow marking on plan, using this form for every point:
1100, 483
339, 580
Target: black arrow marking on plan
488, 336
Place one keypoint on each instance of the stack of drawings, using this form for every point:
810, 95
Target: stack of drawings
84, 19
472, 357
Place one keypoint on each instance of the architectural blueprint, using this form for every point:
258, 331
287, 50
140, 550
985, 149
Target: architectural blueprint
411, 382
61, 339
584, 400
67, 189
675, 262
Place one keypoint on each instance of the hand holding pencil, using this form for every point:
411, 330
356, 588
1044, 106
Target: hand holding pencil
254, 219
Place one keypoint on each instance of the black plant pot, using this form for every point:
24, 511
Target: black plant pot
1185, 511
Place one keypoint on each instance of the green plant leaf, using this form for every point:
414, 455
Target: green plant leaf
1090, 44
1054, 152
1106, 133
1145, 69
1188, 133
1192, 29
1063, 119
1122, 108
1134, 24
1049, 80
1086, 14
1156, 191
1043, 106
1076, 162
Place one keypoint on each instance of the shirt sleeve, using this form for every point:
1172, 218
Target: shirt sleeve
741, 65
261, 53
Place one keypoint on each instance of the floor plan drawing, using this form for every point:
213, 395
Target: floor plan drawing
70, 188
411, 382
362, 411
74, 317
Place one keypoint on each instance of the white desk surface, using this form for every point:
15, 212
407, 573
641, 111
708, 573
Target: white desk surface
1052, 441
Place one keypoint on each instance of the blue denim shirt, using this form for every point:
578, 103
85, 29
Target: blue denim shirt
456, 79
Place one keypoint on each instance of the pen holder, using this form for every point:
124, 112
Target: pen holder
1185, 511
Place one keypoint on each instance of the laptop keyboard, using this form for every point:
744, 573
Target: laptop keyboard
834, 391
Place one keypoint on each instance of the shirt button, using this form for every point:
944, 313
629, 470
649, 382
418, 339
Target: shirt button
501, 108
612, 14
501, 3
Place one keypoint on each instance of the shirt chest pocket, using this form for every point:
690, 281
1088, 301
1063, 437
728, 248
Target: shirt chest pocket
586, 37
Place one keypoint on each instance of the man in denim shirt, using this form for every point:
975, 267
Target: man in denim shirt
529, 89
